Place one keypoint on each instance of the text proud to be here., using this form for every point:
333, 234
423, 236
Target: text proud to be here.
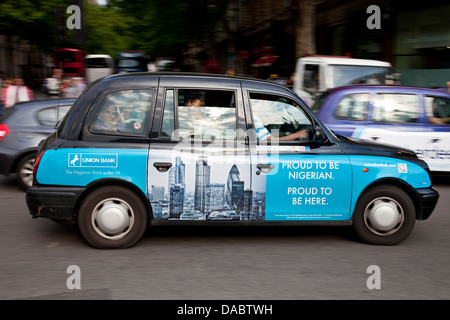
310, 170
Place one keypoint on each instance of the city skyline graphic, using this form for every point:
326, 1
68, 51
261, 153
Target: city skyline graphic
199, 190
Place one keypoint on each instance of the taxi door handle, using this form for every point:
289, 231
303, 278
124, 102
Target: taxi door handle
162, 166
434, 140
264, 168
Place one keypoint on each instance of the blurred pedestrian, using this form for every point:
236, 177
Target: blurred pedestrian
2, 83
23, 93
53, 83
8, 93
79, 85
15, 91
68, 89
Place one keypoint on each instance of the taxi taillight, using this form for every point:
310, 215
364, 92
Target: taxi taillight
36, 164
4, 130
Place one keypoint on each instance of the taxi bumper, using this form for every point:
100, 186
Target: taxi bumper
428, 198
53, 202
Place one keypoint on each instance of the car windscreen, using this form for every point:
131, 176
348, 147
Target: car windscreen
131, 63
345, 74
97, 63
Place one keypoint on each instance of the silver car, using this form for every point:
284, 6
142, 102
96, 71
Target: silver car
22, 127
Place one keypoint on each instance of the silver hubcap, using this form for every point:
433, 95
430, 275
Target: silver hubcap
112, 218
384, 216
26, 172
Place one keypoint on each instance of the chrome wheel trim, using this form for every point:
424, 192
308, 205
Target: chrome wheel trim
112, 218
384, 216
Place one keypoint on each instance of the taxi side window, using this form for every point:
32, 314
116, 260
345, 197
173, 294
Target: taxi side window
352, 107
208, 115
168, 124
396, 108
123, 113
277, 116
438, 110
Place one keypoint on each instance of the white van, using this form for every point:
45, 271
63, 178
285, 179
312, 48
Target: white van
316, 74
98, 66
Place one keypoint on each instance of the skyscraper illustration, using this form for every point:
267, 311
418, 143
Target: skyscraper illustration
176, 201
214, 197
202, 179
177, 176
233, 187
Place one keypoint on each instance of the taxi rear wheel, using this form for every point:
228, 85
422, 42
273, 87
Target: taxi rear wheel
112, 217
384, 215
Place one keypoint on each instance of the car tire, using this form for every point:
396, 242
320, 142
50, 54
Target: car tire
112, 217
25, 171
384, 215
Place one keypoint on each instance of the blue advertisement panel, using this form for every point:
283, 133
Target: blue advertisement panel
309, 187
368, 169
81, 166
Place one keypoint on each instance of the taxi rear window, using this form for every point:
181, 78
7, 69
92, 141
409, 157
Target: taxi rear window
123, 113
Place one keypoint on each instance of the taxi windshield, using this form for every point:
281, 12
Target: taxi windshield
345, 74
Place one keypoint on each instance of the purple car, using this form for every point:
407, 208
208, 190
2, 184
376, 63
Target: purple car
411, 117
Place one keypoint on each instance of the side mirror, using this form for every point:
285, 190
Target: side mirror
319, 136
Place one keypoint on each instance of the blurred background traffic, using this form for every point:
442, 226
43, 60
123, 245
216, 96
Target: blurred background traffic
54, 49
258, 38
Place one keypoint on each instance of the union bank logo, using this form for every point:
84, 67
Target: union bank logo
95, 160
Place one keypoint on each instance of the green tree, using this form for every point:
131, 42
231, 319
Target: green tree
31, 20
107, 29
167, 27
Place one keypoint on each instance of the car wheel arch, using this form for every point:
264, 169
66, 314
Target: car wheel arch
401, 184
100, 183
19, 158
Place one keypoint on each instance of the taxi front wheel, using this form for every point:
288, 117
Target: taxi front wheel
112, 217
384, 215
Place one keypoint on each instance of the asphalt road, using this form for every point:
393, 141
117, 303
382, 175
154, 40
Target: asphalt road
38, 258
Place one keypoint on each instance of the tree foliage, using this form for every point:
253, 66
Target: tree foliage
159, 27
30, 20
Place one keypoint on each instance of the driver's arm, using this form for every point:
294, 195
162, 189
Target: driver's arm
302, 134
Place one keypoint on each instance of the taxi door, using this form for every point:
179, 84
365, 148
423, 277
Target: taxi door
294, 179
198, 163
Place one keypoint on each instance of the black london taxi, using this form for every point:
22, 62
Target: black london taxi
137, 150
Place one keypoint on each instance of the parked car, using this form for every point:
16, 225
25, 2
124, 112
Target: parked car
22, 127
162, 148
410, 117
